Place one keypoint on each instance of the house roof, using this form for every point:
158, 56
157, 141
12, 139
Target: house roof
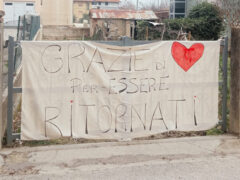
116, 1
122, 14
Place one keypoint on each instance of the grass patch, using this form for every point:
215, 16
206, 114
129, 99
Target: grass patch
17, 118
214, 131
69, 140
63, 141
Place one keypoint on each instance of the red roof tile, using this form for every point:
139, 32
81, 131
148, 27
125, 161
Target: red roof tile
122, 14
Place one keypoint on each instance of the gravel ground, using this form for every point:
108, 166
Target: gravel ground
215, 157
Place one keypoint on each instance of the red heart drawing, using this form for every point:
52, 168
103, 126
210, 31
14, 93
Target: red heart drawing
185, 57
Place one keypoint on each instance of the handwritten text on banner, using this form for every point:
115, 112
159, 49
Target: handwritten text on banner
90, 90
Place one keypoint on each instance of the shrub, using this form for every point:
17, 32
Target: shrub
153, 32
204, 22
210, 22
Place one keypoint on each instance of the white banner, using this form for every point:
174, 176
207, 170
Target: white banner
90, 90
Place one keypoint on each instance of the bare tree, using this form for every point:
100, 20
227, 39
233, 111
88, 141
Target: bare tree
231, 11
126, 4
155, 5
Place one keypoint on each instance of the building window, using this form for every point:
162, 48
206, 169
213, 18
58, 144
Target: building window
8, 4
180, 8
106, 3
171, 8
29, 4
177, 8
99, 3
94, 3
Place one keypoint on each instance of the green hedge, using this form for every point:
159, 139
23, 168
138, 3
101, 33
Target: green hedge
204, 22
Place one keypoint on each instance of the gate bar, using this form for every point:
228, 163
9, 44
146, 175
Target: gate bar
225, 85
11, 52
11, 91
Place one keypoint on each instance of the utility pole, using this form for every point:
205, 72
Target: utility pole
1, 68
137, 4
234, 123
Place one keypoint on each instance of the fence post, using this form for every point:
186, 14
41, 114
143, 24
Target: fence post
18, 29
225, 85
234, 125
32, 28
10, 89
24, 28
1, 85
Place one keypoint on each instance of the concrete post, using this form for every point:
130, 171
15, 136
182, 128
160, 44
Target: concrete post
234, 126
1, 85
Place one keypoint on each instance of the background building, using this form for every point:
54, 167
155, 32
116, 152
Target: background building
181, 8
1, 5
105, 4
81, 8
52, 12
162, 14
113, 24
177, 8
55, 12
16, 8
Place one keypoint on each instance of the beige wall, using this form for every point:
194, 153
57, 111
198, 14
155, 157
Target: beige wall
64, 33
52, 12
55, 12
1, 4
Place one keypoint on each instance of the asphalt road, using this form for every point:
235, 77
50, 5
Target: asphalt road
215, 157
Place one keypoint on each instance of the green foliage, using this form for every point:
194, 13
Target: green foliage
153, 32
173, 27
211, 21
204, 10
98, 35
74, 18
141, 29
214, 131
204, 22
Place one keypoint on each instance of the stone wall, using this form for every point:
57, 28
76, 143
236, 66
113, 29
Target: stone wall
112, 29
64, 33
